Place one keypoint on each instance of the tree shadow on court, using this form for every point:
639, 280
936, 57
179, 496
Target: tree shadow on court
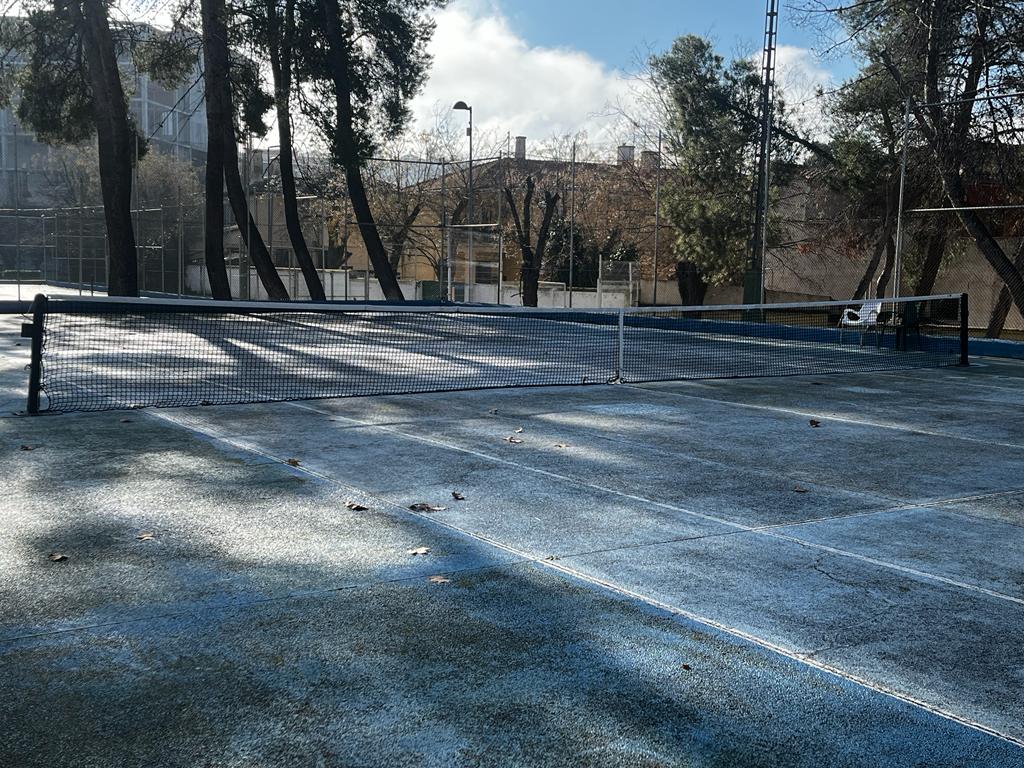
278, 627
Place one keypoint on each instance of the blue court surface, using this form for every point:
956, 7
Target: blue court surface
821, 570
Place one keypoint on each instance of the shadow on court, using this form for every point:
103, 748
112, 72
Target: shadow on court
672, 574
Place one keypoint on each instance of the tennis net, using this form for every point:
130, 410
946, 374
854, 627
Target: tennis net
110, 353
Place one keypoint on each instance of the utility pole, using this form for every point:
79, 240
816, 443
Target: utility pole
753, 284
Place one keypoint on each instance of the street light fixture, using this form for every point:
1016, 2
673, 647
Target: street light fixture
463, 106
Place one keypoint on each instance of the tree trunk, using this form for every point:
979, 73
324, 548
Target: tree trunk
246, 224
215, 70
1002, 306
692, 287
869, 272
115, 139
401, 236
985, 240
882, 283
347, 154
935, 249
280, 45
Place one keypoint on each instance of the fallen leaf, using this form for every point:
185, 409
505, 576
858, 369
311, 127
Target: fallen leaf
814, 422
512, 439
58, 557
439, 580
552, 558
146, 536
687, 667
561, 445
292, 462
518, 430
27, 447
798, 489
422, 506
355, 506
458, 496
419, 551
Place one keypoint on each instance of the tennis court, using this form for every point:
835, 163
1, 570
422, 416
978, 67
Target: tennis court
810, 569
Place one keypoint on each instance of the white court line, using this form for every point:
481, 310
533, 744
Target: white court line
647, 387
737, 527
672, 610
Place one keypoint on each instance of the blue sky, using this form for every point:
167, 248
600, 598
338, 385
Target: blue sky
547, 68
612, 30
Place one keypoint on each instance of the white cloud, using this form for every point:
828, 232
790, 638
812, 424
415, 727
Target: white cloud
513, 86
799, 76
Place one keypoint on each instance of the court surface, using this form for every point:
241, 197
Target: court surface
685, 573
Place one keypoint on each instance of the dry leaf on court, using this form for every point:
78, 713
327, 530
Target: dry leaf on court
355, 506
58, 557
27, 448
561, 445
146, 536
292, 462
512, 439
687, 667
439, 580
458, 496
814, 422
422, 506
419, 551
799, 489
551, 558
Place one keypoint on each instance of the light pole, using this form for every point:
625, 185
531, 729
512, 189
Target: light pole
469, 204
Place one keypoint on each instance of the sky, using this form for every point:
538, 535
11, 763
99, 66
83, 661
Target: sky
542, 68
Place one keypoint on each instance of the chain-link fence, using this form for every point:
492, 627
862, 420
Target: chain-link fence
592, 226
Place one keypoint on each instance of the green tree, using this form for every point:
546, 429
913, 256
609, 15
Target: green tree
360, 62
711, 136
222, 108
69, 79
942, 55
274, 29
588, 252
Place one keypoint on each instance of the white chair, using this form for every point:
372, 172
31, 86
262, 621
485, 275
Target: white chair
869, 317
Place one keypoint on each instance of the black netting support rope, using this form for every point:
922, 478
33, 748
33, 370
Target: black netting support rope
102, 354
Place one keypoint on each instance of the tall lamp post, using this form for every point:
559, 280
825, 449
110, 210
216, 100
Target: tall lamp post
461, 105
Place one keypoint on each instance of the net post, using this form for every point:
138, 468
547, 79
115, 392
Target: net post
622, 344
963, 330
34, 331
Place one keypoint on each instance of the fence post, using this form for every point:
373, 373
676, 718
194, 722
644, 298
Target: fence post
964, 330
622, 344
34, 331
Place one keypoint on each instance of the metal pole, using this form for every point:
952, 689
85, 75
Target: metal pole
163, 240
572, 221
270, 216
501, 241
323, 251
442, 273
964, 330
181, 246
622, 344
35, 332
81, 216
17, 208
657, 221
897, 258
470, 279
